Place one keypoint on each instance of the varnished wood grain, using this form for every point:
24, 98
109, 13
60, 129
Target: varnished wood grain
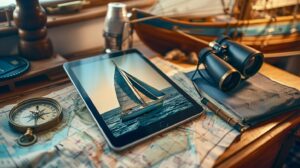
42, 72
83, 15
163, 40
38, 67
30, 18
257, 147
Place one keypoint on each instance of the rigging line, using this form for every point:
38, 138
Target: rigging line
272, 12
176, 29
229, 20
145, 18
193, 10
169, 6
238, 19
295, 14
224, 7
243, 6
273, 23
267, 55
184, 1
169, 14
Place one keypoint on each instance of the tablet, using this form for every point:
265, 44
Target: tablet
129, 97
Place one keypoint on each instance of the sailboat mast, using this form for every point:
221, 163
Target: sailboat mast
246, 8
138, 94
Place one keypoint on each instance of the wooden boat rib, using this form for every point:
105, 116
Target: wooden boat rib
266, 35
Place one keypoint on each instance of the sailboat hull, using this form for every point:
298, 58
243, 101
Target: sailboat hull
142, 110
261, 34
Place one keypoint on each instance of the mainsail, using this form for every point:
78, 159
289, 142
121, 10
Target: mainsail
202, 8
135, 97
272, 4
208, 8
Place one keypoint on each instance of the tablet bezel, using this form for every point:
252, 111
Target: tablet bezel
128, 139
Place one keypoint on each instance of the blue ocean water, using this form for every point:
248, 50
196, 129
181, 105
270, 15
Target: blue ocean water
174, 102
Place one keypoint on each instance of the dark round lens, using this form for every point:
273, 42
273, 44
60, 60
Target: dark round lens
231, 81
253, 65
250, 63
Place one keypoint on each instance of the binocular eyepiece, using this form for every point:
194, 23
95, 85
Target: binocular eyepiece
227, 62
220, 71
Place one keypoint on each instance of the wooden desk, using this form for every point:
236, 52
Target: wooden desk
259, 146
256, 147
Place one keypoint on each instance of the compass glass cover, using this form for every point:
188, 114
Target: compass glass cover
35, 114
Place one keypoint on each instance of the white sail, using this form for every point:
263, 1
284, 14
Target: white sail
127, 96
272, 4
201, 8
134, 96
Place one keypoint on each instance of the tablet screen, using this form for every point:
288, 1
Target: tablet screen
128, 92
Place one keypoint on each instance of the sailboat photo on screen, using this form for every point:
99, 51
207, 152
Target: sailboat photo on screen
130, 94
129, 97
134, 96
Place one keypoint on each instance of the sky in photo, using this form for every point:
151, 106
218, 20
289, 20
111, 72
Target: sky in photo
97, 78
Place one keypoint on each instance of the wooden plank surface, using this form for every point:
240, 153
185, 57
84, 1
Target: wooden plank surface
38, 67
264, 141
252, 145
84, 14
258, 146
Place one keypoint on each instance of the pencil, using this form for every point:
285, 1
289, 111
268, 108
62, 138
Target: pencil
222, 114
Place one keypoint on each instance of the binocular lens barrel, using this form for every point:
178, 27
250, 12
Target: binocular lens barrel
252, 65
245, 59
220, 71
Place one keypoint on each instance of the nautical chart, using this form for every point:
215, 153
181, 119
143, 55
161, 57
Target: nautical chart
77, 141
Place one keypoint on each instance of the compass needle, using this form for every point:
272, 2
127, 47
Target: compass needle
33, 112
35, 121
41, 116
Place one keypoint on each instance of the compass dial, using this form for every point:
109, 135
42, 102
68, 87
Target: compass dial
38, 114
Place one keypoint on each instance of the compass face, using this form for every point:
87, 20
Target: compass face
38, 113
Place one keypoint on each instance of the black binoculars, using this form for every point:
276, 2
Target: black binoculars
228, 62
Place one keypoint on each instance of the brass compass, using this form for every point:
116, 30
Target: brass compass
34, 115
